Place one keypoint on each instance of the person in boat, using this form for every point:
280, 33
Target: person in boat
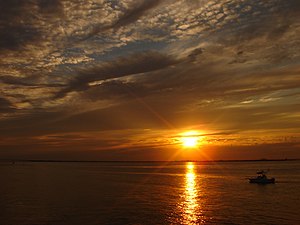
261, 174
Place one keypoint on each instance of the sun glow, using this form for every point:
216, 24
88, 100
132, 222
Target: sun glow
190, 139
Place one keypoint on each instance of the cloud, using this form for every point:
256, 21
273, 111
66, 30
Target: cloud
5, 106
127, 17
15, 31
51, 7
21, 24
28, 81
118, 68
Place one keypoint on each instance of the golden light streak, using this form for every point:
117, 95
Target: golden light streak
191, 194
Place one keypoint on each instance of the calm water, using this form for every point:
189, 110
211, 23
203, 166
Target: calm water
148, 193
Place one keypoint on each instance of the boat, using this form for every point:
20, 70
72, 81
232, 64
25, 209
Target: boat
262, 178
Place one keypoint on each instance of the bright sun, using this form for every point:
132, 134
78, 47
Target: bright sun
190, 139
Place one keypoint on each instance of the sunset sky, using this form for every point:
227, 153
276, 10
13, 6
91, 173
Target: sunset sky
128, 80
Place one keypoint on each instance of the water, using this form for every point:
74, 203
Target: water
148, 193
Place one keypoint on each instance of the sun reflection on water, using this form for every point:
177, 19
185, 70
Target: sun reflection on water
190, 207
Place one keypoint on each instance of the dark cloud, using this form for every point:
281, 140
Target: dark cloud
30, 81
51, 7
14, 37
196, 52
293, 6
5, 106
20, 22
16, 28
129, 115
134, 14
38, 122
254, 20
16, 81
13, 10
120, 67
128, 17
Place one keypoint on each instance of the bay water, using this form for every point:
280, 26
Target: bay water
120, 193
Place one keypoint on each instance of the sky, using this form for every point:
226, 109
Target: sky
125, 80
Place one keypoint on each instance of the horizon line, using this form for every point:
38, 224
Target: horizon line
146, 161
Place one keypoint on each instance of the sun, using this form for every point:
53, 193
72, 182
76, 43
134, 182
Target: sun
190, 139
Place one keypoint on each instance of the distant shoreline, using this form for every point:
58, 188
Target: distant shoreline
141, 161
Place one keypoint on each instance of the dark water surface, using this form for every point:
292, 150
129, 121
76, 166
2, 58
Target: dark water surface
148, 193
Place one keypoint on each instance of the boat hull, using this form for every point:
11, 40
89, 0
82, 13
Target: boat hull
262, 181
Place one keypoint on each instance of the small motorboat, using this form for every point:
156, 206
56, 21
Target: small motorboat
262, 178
